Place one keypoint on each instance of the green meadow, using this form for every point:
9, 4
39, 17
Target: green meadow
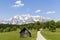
15, 35
51, 35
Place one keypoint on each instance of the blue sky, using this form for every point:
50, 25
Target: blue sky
46, 8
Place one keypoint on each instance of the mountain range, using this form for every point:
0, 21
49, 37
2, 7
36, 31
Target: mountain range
24, 19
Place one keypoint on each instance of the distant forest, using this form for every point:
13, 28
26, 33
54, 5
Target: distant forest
50, 25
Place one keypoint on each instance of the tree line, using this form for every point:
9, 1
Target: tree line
50, 25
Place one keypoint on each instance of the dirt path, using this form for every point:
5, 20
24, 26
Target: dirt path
39, 36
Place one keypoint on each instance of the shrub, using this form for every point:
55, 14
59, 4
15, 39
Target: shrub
1, 29
7, 29
52, 28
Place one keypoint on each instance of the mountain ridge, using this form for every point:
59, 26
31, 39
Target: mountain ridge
24, 19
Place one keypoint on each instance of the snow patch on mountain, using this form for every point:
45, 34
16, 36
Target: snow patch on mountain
24, 19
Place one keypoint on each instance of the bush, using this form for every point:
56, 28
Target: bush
7, 29
13, 28
52, 28
1, 29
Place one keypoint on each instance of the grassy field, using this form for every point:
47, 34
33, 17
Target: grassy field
14, 35
51, 35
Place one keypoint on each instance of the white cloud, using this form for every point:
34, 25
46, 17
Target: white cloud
38, 11
18, 4
51, 12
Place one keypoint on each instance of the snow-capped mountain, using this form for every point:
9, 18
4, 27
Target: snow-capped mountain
24, 19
